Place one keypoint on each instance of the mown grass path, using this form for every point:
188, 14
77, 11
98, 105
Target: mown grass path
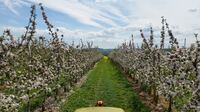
105, 82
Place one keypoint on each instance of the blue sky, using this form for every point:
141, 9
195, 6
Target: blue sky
105, 22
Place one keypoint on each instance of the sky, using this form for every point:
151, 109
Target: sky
107, 23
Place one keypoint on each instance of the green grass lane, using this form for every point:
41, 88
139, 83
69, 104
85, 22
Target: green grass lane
105, 82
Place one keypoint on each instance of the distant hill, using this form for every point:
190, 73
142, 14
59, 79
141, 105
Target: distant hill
105, 51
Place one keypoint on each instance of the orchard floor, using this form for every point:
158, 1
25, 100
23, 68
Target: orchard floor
105, 82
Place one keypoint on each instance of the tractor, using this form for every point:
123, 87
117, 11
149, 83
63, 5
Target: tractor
100, 108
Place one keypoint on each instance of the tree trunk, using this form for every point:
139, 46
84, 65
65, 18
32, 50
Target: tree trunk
170, 104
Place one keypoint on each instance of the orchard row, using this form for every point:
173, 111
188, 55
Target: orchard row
35, 68
170, 72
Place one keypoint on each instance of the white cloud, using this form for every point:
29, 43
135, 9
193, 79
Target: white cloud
81, 11
12, 4
108, 38
176, 12
100, 1
182, 15
104, 39
193, 10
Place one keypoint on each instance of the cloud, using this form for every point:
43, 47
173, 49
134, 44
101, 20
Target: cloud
193, 10
88, 13
114, 21
12, 4
100, 1
19, 31
108, 38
